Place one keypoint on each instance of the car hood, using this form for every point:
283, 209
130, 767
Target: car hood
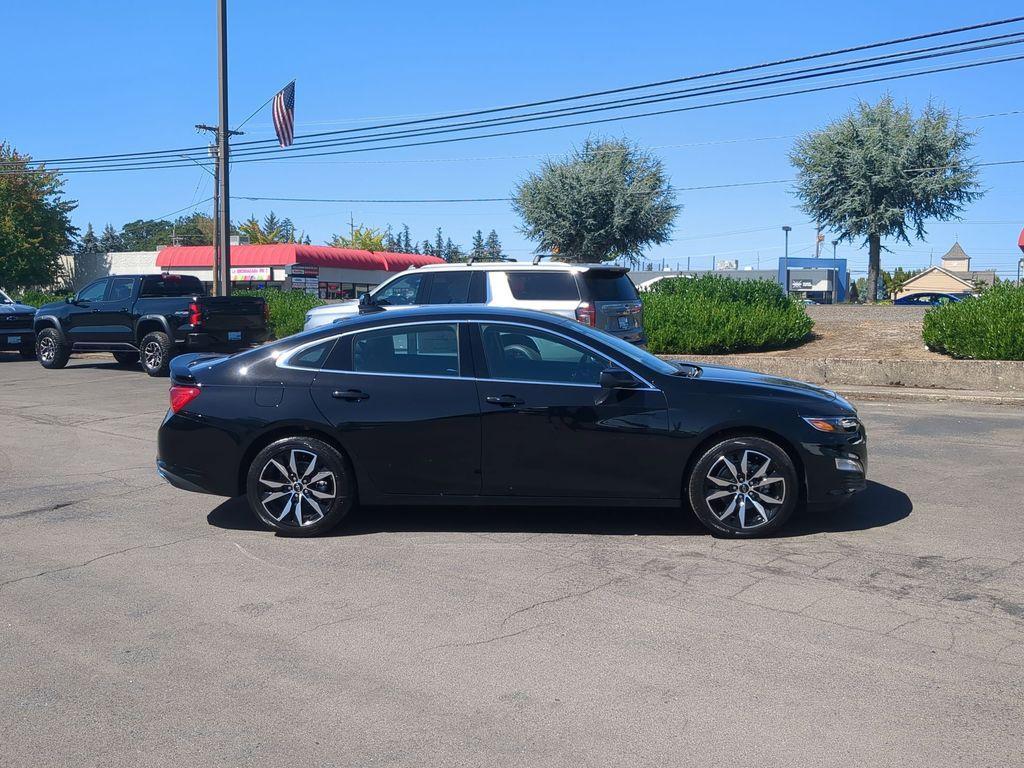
764, 381
15, 309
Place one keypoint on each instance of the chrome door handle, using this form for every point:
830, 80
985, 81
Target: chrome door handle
352, 395
504, 400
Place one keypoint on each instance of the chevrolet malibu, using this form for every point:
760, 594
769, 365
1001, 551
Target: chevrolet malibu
481, 406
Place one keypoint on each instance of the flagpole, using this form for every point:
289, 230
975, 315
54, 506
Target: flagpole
224, 219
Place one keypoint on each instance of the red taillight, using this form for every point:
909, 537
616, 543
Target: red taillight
195, 317
586, 314
182, 396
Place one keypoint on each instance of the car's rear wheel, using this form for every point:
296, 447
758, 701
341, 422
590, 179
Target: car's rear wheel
300, 486
744, 487
127, 358
156, 351
52, 348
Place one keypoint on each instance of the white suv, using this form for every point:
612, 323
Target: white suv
597, 295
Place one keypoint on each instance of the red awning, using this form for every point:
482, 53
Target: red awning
283, 254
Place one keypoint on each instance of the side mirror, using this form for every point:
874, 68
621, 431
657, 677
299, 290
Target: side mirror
616, 378
365, 300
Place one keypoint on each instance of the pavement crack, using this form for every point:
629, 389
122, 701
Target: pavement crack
104, 556
485, 641
559, 599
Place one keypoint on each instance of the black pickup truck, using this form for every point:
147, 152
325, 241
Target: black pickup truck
147, 319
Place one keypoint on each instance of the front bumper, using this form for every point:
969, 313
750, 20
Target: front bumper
17, 338
835, 469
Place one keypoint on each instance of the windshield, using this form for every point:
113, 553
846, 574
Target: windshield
631, 351
5, 299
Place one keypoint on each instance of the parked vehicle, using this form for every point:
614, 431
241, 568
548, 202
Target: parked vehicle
152, 317
928, 299
598, 295
16, 332
477, 405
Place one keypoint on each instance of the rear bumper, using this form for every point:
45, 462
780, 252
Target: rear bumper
196, 456
24, 338
223, 340
185, 479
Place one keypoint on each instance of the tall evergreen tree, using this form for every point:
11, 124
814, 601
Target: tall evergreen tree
478, 250
109, 240
492, 246
89, 242
406, 240
428, 249
439, 244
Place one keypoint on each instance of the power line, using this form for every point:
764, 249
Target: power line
155, 154
749, 99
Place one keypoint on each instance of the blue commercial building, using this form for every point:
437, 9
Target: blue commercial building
822, 280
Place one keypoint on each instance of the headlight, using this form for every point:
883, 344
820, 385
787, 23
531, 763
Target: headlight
833, 424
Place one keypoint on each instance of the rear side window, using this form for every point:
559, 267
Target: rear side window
600, 285
543, 286
417, 350
157, 286
121, 289
449, 287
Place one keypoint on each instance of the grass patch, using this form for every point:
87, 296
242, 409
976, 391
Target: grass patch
713, 314
985, 327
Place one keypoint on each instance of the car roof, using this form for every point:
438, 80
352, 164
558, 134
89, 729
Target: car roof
514, 266
442, 312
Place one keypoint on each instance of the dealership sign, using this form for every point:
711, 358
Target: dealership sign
244, 274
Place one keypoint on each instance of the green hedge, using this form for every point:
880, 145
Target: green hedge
36, 298
287, 309
985, 327
713, 314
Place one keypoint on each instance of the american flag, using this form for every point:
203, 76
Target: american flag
284, 114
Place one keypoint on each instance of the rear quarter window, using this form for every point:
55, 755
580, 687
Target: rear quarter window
543, 286
159, 286
608, 286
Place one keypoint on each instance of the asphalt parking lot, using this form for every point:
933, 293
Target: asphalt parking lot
147, 626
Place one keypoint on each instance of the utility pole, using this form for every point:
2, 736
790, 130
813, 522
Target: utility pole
224, 230
835, 273
221, 287
351, 230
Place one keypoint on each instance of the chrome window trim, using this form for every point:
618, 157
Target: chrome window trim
282, 361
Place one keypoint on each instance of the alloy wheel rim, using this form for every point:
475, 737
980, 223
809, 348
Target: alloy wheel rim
294, 489
47, 349
154, 355
743, 490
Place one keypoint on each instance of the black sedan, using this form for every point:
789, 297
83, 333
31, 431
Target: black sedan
487, 406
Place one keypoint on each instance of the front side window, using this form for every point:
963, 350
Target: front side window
543, 286
94, 292
401, 292
416, 350
525, 354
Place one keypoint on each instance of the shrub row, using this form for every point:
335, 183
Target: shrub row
712, 314
985, 327
287, 309
36, 298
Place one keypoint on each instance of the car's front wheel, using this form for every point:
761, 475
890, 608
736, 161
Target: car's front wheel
744, 487
300, 486
52, 348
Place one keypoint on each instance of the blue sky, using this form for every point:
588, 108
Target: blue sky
92, 78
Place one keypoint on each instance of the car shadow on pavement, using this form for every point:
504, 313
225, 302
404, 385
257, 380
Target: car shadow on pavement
878, 505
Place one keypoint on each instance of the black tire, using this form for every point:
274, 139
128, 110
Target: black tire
127, 359
27, 353
272, 490
736, 501
156, 351
52, 348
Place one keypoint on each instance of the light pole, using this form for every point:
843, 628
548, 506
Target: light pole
835, 273
785, 261
1020, 266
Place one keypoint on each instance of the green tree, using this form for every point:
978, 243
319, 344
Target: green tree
146, 234
35, 223
407, 244
894, 282
89, 242
109, 240
478, 250
880, 172
439, 243
451, 252
608, 199
271, 230
492, 247
362, 238
197, 229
